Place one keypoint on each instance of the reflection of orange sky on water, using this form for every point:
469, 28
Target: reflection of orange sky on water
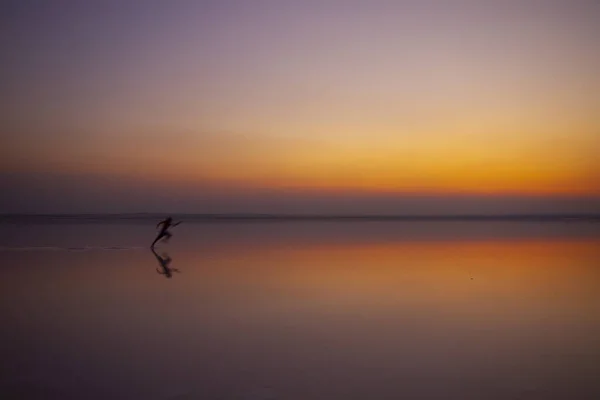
380, 289
372, 275
384, 252
396, 273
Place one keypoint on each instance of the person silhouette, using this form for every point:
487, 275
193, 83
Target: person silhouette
164, 230
164, 262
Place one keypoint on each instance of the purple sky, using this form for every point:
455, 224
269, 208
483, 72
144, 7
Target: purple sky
300, 106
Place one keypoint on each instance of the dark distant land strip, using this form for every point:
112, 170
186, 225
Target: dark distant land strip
153, 217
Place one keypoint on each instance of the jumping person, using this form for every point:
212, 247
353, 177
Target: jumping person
164, 231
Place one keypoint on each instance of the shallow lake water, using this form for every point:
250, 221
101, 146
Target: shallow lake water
301, 310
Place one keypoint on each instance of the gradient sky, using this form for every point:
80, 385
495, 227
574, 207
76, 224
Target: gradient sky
300, 106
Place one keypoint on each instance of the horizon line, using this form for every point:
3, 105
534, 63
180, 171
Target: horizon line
4, 217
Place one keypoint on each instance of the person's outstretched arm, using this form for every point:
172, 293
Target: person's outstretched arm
177, 223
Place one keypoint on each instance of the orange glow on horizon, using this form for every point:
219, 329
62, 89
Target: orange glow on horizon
345, 167
333, 101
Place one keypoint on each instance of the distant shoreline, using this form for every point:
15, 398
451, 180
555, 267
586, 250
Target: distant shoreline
294, 217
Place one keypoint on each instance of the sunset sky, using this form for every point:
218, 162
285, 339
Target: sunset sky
300, 106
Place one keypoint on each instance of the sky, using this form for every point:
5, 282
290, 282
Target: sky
402, 107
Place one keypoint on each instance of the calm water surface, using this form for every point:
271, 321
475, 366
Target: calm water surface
301, 310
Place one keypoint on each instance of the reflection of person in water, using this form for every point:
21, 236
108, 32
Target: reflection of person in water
164, 230
164, 262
